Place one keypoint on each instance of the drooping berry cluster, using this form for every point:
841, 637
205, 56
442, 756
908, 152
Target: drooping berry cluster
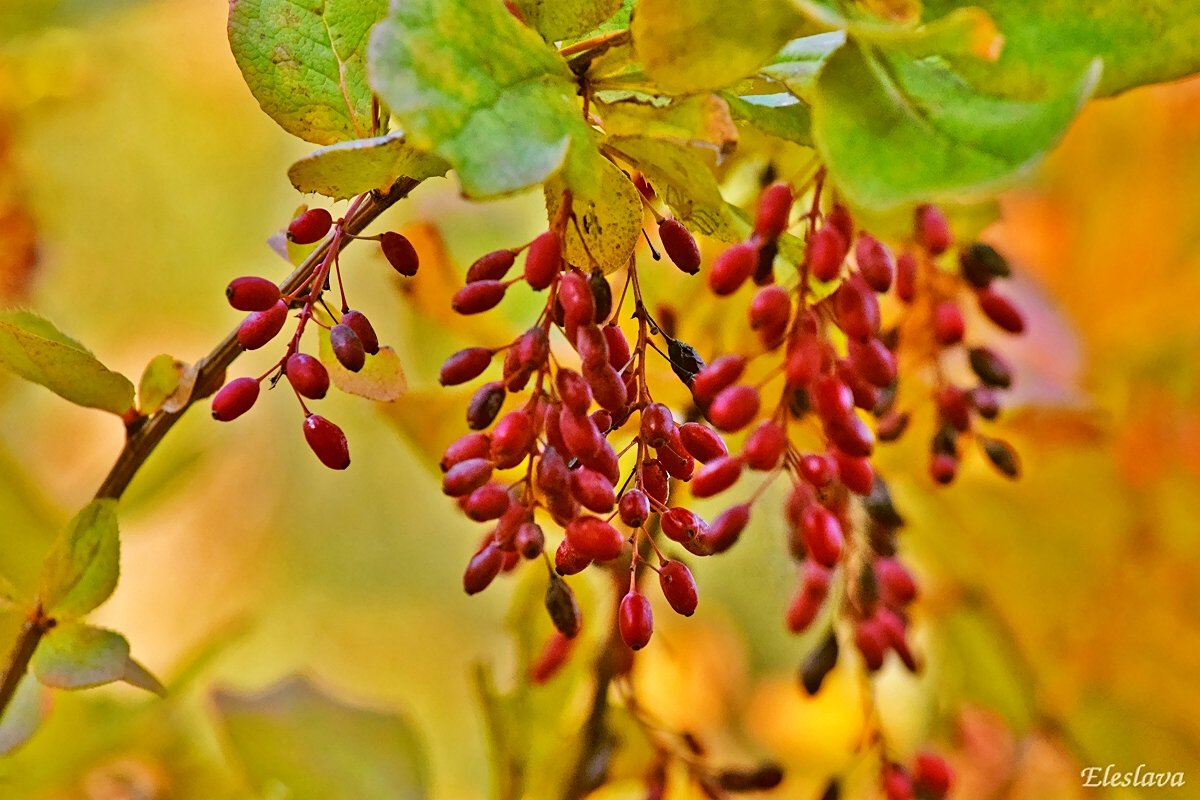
352, 338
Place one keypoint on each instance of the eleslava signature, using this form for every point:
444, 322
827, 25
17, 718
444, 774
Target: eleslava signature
1096, 777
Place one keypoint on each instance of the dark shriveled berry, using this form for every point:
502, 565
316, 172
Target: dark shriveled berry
819, 663
327, 441
563, 610
485, 405
759, 779
400, 253
602, 299
347, 347
680, 245
686, 363
1003, 456
234, 399
636, 620
260, 327
252, 293
310, 227
990, 367
307, 375
980, 264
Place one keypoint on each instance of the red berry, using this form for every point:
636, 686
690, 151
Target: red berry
1000, 310
307, 375
636, 620
817, 469
897, 586
488, 502
358, 322
833, 398
482, 569
943, 467
733, 268
826, 251
634, 508
803, 362
810, 596
896, 783
875, 262
851, 435
657, 425
477, 297
702, 443
722, 372
774, 205
513, 438
544, 260
653, 480
309, 227
734, 408
594, 539
765, 447
576, 298
839, 218
769, 314
724, 531
466, 476
948, 324
347, 347
260, 327
593, 491
872, 642
472, 445
327, 441
856, 474
933, 775
932, 230
716, 476
823, 536
906, 277
573, 390
675, 460
681, 525
679, 587
491, 266
872, 361
234, 399
252, 293
856, 308
607, 386
529, 540
680, 245
400, 253
465, 365
568, 560
954, 407
579, 433
551, 659
617, 345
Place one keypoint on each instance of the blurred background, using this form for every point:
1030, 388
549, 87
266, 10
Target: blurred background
138, 176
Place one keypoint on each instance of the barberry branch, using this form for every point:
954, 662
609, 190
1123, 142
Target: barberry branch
145, 434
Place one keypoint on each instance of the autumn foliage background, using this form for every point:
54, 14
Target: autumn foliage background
138, 175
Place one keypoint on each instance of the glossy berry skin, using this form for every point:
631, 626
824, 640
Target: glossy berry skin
491, 266
702, 443
733, 268
327, 441
826, 251
307, 376
734, 408
347, 347
358, 322
724, 531
680, 245
948, 324
679, 587
636, 620
544, 260
252, 293
466, 476
817, 469
235, 398
932, 229
857, 309
657, 424
875, 262
822, 535
477, 297
400, 253
856, 474
716, 476
774, 206
769, 314
482, 569
721, 373
465, 365
471, 445
634, 508
765, 446
260, 327
1001, 311
310, 227
681, 525
594, 538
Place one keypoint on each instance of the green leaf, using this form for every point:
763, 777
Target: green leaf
609, 216
347, 169
159, 381
24, 714
501, 108
33, 348
137, 675
690, 46
790, 120
78, 656
796, 66
304, 62
316, 747
893, 130
382, 377
82, 567
562, 19
1049, 41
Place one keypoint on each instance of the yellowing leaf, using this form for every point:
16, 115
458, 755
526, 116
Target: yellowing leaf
82, 567
562, 19
37, 351
159, 381
690, 46
382, 378
700, 120
607, 218
304, 62
347, 169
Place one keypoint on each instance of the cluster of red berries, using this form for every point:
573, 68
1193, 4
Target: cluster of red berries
352, 337
930, 779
